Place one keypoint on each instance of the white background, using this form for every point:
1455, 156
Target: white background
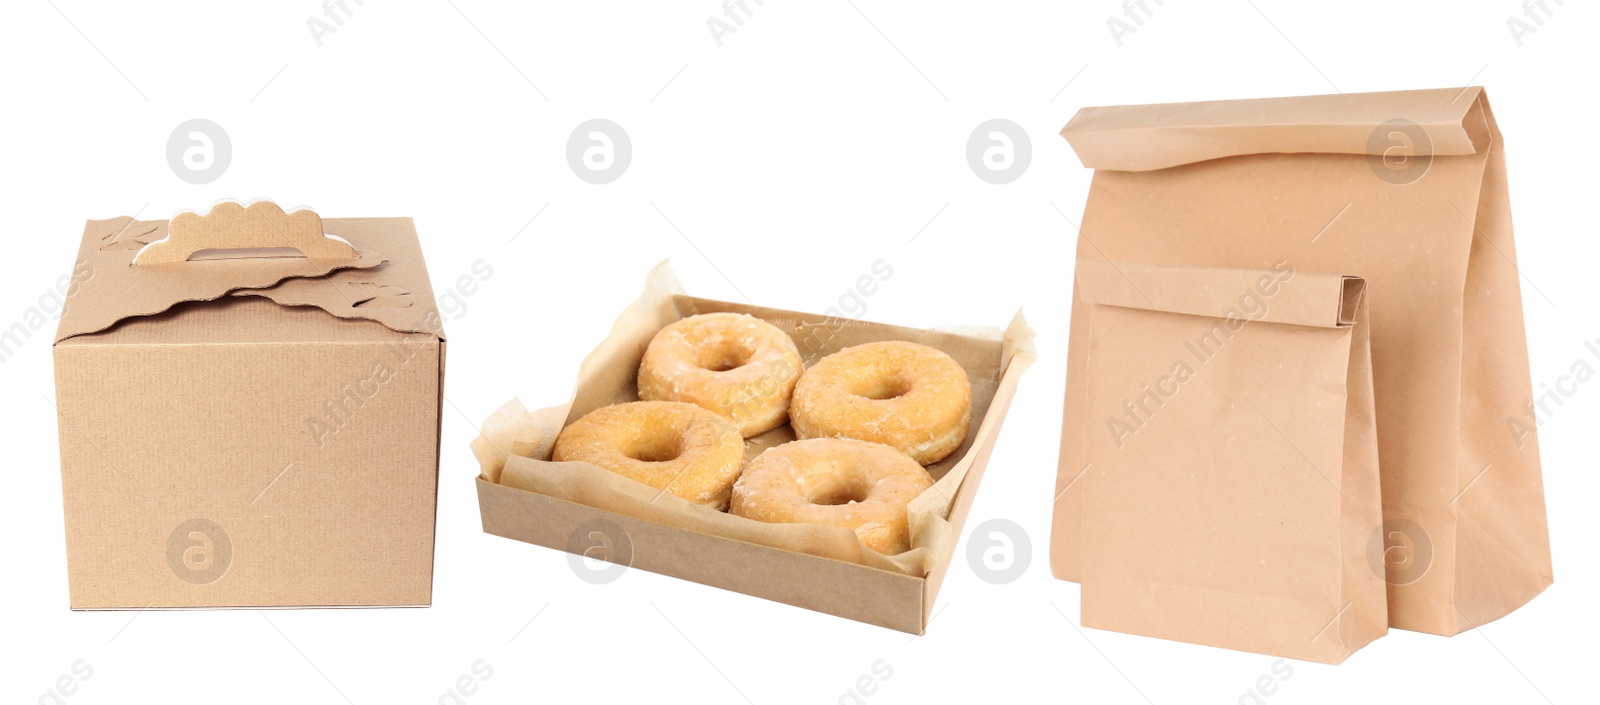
820, 137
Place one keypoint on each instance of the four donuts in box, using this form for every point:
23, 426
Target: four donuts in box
818, 461
248, 403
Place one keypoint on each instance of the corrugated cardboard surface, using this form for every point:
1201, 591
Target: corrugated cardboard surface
240, 452
803, 565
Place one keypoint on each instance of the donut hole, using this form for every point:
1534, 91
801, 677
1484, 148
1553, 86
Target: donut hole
657, 449
726, 356
839, 492
882, 388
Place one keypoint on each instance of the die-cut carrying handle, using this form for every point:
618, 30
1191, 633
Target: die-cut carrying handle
231, 226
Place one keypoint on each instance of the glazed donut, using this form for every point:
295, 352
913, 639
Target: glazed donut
736, 365
671, 446
839, 482
900, 394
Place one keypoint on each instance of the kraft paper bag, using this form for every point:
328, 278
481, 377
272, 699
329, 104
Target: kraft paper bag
1233, 459
1408, 191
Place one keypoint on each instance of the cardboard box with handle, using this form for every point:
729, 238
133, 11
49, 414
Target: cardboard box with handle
248, 403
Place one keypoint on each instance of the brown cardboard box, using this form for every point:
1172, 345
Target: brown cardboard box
584, 510
245, 427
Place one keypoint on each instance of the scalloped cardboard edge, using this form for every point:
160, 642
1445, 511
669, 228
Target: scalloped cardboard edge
114, 289
234, 225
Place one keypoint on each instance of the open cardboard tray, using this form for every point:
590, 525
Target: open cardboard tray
524, 496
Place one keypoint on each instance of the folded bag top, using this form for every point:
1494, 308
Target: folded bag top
1397, 125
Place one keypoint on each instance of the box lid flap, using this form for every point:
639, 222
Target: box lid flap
396, 294
129, 268
1392, 125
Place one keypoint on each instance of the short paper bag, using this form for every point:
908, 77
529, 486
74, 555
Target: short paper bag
1233, 459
